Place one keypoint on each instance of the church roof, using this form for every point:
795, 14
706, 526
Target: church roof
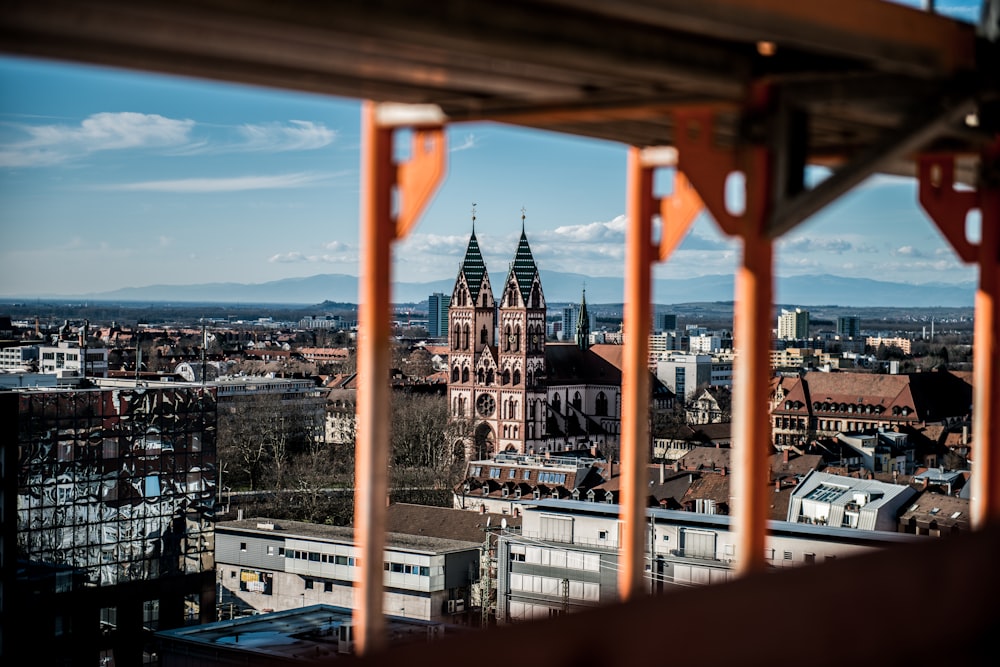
524, 268
473, 267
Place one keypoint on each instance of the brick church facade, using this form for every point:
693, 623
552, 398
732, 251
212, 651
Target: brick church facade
517, 392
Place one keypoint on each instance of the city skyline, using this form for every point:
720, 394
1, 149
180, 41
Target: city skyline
113, 179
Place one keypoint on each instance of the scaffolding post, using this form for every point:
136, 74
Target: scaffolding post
417, 181
678, 211
948, 208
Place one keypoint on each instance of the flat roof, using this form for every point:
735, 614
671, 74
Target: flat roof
343, 535
307, 634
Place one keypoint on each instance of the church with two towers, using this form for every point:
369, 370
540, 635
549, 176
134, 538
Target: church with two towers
518, 392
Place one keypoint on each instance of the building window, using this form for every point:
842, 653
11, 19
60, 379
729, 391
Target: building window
810, 558
243, 546
270, 550
327, 586
309, 584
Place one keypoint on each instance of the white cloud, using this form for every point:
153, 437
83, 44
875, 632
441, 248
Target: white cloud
53, 144
835, 245
234, 184
296, 257
468, 141
907, 251
610, 231
297, 135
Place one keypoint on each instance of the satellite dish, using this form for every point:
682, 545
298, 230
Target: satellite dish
488, 519
503, 524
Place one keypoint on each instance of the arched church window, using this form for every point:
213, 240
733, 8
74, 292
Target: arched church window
505, 377
457, 340
556, 403
484, 300
483, 336
507, 338
517, 338
454, 374
602, 404
490, 376
481, 376
517, 376
535, 297
465, 337
577, 401
465, 374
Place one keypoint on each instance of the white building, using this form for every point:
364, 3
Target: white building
20, 356
65, 359
277, 565
793, 324
834, 500
565, 558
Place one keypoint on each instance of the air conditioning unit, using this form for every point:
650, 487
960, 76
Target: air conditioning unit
459, 606
451, 606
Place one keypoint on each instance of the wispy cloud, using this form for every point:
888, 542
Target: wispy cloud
235, 184
907, 251
52, 144
297, 135
467, 142
832, 245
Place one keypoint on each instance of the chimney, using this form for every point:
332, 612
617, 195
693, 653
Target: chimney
663, 472
677, 465
593, 451
691, 478
723, 472
777, 485
923, 485
784, 456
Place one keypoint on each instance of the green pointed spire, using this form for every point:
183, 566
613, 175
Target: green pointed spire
524, 267
473, 266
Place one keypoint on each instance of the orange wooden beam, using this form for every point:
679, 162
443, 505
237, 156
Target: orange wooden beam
379, 228
948, 209
709, 167
678, 211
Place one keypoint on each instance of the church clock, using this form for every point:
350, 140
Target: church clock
485, 405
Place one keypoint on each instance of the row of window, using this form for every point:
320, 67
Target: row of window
572, 560
564, 588
335, 559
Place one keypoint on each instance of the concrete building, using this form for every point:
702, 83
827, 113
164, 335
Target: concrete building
834, 500
18, 356
265, 564
66, 359
793, 324
113, 494
565, 558
904, 344
437, 315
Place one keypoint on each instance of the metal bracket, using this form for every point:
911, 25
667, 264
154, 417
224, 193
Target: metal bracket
945, 205
677, 210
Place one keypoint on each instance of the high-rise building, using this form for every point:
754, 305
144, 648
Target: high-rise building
114, 495
437, 315
570, 316
666, 321
793, 324
849, 326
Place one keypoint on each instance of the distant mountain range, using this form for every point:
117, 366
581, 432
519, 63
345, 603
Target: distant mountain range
564, 287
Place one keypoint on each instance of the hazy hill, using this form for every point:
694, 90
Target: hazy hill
801, 290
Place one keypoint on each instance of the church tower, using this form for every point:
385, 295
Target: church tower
583, 324
472, 347
521, 351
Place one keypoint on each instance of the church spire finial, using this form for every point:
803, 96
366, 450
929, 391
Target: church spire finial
522, 219
473, 218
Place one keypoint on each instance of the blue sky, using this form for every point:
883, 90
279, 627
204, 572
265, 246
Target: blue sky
111, 179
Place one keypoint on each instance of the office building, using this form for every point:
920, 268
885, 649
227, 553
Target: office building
849, 326
114, 496
666, 321
437, 315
